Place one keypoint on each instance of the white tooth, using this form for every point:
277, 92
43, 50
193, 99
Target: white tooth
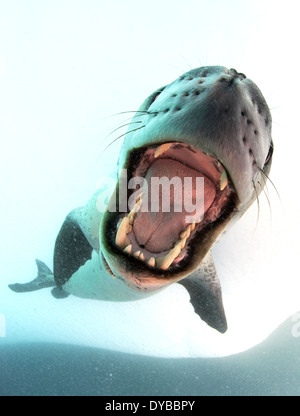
140, 196
183, 234
166, 261
193, 226
142, 257
128, 249
188, 231
136, 208
131, 217
182, 242
121, 238
224, 180
163, 262
137, 254
162, 149
151, 262
139, 201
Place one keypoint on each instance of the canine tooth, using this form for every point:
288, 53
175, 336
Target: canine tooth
192, 226
139, 202
166, 261
139, 196
188, 231
151, 262
183, 234
224, 180
131, 217
162, 149
182, 242
136, 208
121, 238
128, 249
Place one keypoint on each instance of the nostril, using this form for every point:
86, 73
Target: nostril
236, 74
241, 76
233, 72
231, 77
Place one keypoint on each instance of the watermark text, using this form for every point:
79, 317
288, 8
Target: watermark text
160, 194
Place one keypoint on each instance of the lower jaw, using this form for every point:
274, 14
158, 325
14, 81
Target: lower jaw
169, 265
136, 274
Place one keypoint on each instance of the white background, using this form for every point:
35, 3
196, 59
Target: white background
65, 68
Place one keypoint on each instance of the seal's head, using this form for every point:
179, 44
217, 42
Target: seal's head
211, 123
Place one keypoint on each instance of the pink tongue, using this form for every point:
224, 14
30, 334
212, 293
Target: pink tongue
158, 231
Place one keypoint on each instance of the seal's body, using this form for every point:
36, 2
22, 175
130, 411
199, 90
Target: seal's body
211, 123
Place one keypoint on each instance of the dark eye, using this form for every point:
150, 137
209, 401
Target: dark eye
270, 153
156, 96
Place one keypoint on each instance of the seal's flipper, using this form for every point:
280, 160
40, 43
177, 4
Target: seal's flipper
72, 250
44, 279
59, 293
206, 297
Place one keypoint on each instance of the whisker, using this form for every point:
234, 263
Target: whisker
127, 112
258, 205
275, 122
124, 125
135, 116
131, 131
265, 191
143, 112
186, 61
272, 183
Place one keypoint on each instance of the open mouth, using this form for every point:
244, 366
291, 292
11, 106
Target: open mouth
178, 199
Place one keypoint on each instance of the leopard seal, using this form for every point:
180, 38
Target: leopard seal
212, 123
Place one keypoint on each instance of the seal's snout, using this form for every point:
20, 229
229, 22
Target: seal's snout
233, 72
232, 76
211, 124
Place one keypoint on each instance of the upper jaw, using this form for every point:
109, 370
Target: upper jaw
146, 270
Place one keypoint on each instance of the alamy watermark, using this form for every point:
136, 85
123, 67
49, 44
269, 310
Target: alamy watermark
2, 326
187, 195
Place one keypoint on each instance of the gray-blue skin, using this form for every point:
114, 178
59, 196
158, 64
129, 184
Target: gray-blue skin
217, 123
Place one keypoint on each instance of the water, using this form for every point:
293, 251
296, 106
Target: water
52, 369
